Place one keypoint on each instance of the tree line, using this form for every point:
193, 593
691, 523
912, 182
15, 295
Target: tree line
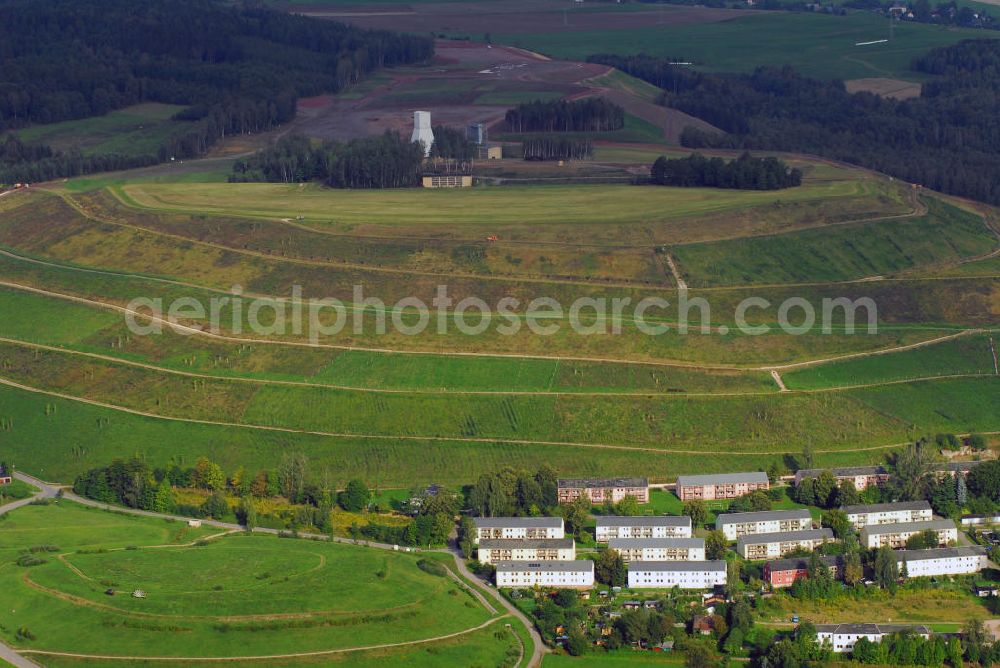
241, 67
947, 139
557, 148
592, 114
386, 161
744, 173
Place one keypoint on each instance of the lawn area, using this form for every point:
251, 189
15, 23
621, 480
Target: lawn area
624, 657
228, 597
818, 45
15, 490
523, 206
838, 253
134, 130
964, 355
948, 604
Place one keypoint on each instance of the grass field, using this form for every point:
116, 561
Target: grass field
815, 44
965, 355
945, 234
946, 604
136, 130
238, 596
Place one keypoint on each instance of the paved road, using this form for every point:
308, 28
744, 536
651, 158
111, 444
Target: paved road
50, 490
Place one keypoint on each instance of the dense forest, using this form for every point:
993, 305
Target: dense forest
592, 114
240, 67
452, 143
557, 148
947, 139
744, 173
388, 161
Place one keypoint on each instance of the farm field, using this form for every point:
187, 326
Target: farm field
134, 130
211, 591
820, 46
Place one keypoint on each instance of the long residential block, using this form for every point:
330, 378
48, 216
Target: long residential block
896, 535
943, 561
734, 525
862, 477
665, 526
842, 637
577, 574
599, 490
517, 527
526, 549
888, 513
776, 545
659, 549
720, 485
683, 574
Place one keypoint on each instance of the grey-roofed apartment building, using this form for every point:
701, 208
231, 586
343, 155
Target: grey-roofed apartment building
842, 637
888, 513
659, 549
599, 490
896, 535
776, 545
661, 526
720, 485
517, 527
734, 525
683, 574
491, 550
577, 574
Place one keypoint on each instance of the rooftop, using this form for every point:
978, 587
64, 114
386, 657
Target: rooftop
573, 483
907, 527
762, 516
675, 566
844, 471
527, 522
799, 563
578, 566
887, 507
783, 536
526, 543
640, 521
722, 478
636, 543
940, 553
870, 629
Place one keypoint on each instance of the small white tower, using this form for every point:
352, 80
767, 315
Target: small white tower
422, 130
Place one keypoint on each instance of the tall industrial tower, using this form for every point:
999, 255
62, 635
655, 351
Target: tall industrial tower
422, 130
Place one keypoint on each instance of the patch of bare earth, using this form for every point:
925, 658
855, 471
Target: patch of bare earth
894, 88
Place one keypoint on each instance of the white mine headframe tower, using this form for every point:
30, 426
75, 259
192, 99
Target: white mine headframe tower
422, 130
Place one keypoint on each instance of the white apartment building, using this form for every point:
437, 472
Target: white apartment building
896, 535
517, 528
841, 637
666, 526
777, 545
734, 525
563, 574
683, 574
491, 550
888, 513
943, 561
659, 549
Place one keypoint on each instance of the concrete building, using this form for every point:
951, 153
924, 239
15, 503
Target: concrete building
979, 520
784, 572
599, 490
896, 535
841, 637
663, 526
562, 574
888, 513
446, 180
862, 477
526, 549
720, 485
517, 528
943, 561
775, 545
734, 525
422, 131
683, 574
659, 549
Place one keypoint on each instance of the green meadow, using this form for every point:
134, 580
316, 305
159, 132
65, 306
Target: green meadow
819, 45
233, 596
838, 253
